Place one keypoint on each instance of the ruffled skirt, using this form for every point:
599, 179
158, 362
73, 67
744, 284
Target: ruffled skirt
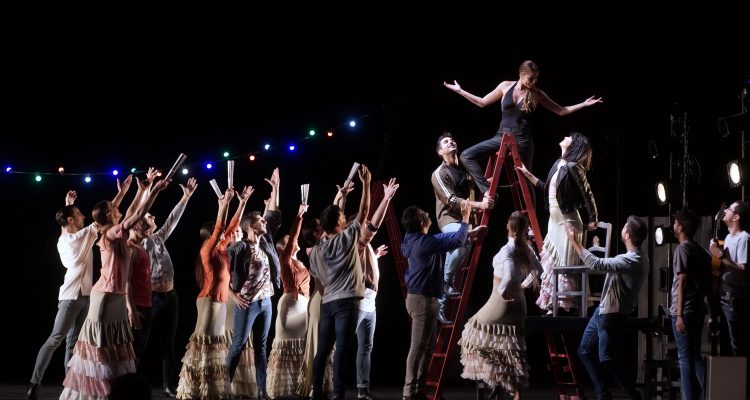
288, 348
204, 373
104, 349
493, 345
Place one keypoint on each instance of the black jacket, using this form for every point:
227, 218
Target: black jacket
573, 190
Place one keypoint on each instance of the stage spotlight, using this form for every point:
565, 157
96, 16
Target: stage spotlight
661, 192
663, 235
734, 170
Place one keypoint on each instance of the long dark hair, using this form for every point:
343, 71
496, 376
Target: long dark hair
579, 151
519, 226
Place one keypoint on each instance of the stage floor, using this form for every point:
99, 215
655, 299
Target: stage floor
17, 392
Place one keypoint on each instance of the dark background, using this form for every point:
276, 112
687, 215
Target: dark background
95, 94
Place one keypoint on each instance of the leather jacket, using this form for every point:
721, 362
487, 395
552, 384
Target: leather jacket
573, 190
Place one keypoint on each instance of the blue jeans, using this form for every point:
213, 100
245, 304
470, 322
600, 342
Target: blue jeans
338, 322
598, 352
257, 317
68, 322
455, 258
165, 308
689, 354
365, 337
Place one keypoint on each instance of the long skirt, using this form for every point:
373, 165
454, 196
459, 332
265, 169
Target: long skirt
493, 343
288, 348
204, 373
104, 349
557, 251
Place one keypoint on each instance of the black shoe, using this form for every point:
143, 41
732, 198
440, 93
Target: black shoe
450, 291
262, 395
364, 393
443, 319
33, 392
169, 391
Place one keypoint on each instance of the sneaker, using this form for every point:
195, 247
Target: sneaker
364, 393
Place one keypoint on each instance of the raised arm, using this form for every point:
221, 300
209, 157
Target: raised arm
273, 200
538, 183
70, 197
174, 217
146, 204
122, 189
488, 99
235, 222
364, 201
550, 104
389, 190
143, 187
341, 193
287, 253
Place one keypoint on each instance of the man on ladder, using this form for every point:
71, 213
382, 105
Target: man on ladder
452, 186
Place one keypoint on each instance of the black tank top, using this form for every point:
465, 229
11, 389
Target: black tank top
513, 117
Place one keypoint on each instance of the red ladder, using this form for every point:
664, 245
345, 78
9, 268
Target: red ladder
448, 335
394, 233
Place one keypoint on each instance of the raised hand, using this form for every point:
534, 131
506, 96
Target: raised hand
592, 100
454, 87
389, 190
274, 181
346, 189
246, 192
70, 198
302, 210
189, 187
364, 175
228, 194
125, 185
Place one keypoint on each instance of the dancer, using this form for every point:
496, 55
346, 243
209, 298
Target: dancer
164, 300
424, 284
288, 346
106, 330
204, 370
75, 248
518, 99
493, 343
251, 265
336, 263
599, 350
567, 190
452, 187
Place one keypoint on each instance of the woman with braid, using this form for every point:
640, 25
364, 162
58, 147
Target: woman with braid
493, 346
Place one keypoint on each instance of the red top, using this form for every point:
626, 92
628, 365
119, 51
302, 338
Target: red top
140, 277
215, 262
294, 276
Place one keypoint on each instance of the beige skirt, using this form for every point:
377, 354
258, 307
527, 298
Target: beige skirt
204, 373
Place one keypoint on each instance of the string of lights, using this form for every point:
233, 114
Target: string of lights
186, 168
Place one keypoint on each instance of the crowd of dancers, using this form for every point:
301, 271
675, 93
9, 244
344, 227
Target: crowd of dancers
244, 261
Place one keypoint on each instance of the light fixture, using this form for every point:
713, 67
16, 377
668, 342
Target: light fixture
661, 192
663, 235
734, 171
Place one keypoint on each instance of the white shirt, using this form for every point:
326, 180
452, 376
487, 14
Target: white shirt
76, 255
367, 304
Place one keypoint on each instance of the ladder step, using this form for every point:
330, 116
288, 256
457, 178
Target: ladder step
447, 326
559, 355
438, 355
431, 384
